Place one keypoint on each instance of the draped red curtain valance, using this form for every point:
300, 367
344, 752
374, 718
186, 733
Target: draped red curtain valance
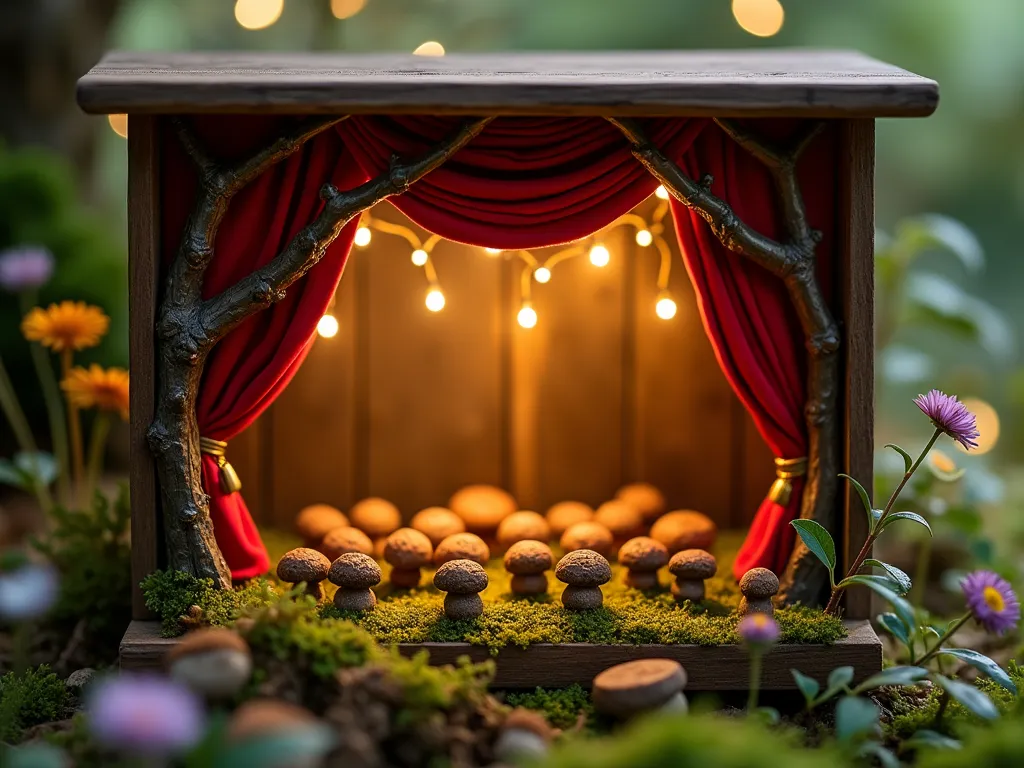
523, 183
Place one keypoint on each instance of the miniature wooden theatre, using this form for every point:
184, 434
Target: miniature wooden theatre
545, 339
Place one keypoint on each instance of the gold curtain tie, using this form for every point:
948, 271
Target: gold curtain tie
229, 480
785, 471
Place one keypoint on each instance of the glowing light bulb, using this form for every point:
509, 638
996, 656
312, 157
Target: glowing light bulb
661, 193
762, 18
119, 124
430, 48
988, 425
363, 237
327, 327
542, 274
492, 251
435, 300
419, 257
599, 256
258, 14
644, 237
344, 9
527, 317
666, 307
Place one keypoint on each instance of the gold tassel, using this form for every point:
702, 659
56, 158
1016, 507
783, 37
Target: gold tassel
229, 480
785, 470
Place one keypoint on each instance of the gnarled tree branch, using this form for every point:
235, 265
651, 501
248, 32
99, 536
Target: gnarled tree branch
794, 261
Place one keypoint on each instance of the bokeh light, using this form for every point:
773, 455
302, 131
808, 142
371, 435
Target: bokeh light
542, 274
363, 237
258, 14
435, 300
419, 257
988, 425
430, 48
527, 316
661, 193
644, 237
119, 124
345, 9
665, 308
762, 18
599, 256
327, 327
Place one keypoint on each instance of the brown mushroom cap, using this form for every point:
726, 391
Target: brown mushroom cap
407, 548
636, 686
315, 521
643, 554
461, 577
693, 564
262, 716
523, 525
583, 568
645, 498
528, 720
759, 583
303, 564
355, 570
207, 639
482, 507
462, 546
437, 523
355, 599
566, 514
620, 518
528, 557
376, 517
339, 541
587, 536
684, 529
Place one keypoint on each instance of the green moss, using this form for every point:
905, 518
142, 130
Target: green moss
170, 595
562, 707
29, 698
999, 745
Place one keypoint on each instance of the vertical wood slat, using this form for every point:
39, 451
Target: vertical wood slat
143, 274
856, 291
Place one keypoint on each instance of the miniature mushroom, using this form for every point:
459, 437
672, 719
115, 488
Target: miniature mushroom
462, 580
214, 662
304, 565
521, 526
643, 556
437, 523
684, 529
691, 567
315, 521
527, 561
524, 736
584, 570
588, 536
566, 514
648, 500
462, 546
482, 507
407, 550
355, 573
377, 518
640, 686
758, 586
308, 739
622, 519
348, 538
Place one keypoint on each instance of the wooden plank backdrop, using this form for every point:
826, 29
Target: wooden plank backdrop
410, 405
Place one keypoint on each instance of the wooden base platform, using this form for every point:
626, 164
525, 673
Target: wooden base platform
714, 668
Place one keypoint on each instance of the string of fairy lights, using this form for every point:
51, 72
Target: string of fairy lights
535, 268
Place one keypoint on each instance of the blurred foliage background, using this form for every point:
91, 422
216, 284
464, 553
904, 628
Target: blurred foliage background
950, 189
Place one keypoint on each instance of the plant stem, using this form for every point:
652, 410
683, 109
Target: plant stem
833, 602
943, 639
74, 432
23, 434
755, 678
97, 442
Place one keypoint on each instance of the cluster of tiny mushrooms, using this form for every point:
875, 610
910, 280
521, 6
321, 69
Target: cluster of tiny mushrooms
634, 526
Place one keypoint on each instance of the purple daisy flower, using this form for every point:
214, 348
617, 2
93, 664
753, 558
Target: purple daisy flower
25, 268
144, 715
758, 629
992, 601
951, 416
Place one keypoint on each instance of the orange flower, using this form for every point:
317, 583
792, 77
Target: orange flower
64, 326
98, 388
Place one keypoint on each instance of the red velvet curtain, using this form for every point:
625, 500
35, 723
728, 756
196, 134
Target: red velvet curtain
523, 183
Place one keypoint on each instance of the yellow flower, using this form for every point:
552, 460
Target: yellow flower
64, 326
98, 388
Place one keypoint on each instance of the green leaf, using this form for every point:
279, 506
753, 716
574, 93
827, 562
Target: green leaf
818, 541
855, 717
932, 739
893, 676
912, 516
934, 231
983, 664
838, 681
865, 500
767, 715
971, 698
808, 686
894, 573
885, 758
895, 627
902, 608
940, 303
908, 460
